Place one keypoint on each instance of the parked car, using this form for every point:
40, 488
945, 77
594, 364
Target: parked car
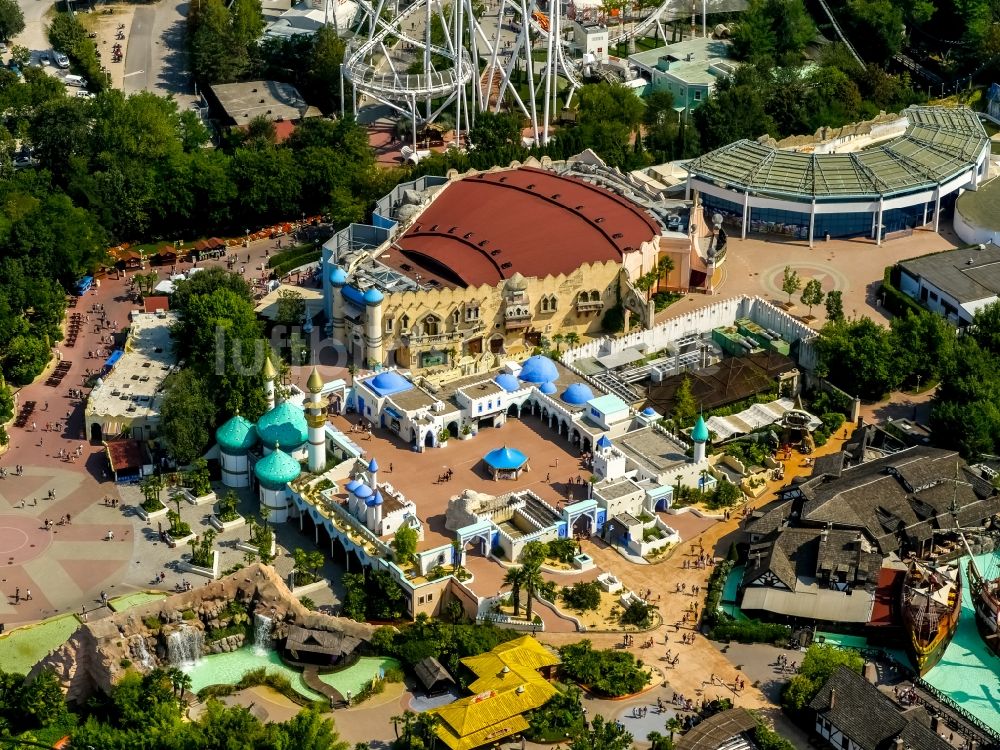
23, 158
84, 94
61, 60
44, 58
78, 81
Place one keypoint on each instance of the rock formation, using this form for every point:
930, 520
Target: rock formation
99, 652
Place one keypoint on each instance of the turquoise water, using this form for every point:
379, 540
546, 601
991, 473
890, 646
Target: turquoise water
228, 669
841, 640
968, 671
730, 594
360, 674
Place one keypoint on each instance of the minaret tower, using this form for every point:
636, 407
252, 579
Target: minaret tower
700, 437
269, 375
316, 419
373, 327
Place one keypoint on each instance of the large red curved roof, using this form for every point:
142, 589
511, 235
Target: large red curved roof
483, 229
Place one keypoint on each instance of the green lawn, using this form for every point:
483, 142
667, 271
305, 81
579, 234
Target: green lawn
120, 603
22, 648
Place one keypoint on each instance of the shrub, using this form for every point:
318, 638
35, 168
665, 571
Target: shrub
582, 596
188, 614
228, 507
637, 613
563, 550
152, 623
125, 663
151, 505
609, 673
306, 602
394, 674
751, 631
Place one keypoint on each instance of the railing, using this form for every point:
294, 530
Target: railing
589, 306
446, 337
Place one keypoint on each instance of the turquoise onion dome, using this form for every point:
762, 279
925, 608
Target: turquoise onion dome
285, 424
338, 276
277, 469
236, 436
700, 432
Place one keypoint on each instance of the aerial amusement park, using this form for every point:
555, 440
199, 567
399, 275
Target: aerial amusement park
463, 57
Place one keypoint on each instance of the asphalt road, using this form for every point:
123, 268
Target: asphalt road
139, 52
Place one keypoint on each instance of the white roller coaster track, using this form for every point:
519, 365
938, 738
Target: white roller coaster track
488, 61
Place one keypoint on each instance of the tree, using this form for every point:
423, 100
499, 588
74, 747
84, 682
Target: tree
812, 294
186, 416
534, 553
291, 308
404, 544
685, 408
515, 579
603, 735
790, 282
533, 582
835, 305
582, 596
858, 357
11, 19
20, 55
819, 664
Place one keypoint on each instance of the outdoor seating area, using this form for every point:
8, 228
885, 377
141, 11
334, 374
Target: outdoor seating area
505, 463
24, 414
55, 379
73, 329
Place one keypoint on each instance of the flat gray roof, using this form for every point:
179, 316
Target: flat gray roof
274, 100
954, 274
939, 143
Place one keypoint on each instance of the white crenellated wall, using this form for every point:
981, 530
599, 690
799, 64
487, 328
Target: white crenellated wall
702, 321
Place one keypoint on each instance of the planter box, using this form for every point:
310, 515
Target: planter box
322, 583
225, 526
178, 542
147, 516
208, 499
246, 546
213, 572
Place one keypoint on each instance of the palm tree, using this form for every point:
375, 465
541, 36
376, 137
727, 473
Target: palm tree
406, 718
558, 339
572, 339
352, 369
664, 266
515, 578
184, 682
174, 675
532, 582
674, 725
426, 724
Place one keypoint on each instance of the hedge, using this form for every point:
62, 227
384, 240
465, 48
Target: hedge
291, 264
293, 252
751, 631
894, 300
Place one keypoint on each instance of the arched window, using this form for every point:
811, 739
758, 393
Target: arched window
456, 316
405, 322
595, 296
431, 325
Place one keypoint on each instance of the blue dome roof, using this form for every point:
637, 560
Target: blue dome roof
373, 296
700, 432
284, 424
649, 411
548, 388
236, 436
505, 458
539, 369
338, 276
363, 491
388, 382
374, 500
577, 394
603, 442
352, 485
276, 469
507, 381
373, 465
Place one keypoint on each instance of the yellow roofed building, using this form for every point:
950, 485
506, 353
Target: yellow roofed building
508, 684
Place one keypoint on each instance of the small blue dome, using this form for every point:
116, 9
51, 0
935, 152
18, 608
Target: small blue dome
507, 381
373, 296
338, 276
373, 465
539, 369
388, 382
352, 485
577, 394
649, 411
374, 500
700, 432
603, 442
363, 491
548, 388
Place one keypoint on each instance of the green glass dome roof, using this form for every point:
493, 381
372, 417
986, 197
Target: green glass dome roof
284, 424
236, 436
277, 469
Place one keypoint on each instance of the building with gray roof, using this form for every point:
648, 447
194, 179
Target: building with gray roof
955, 283
895, 185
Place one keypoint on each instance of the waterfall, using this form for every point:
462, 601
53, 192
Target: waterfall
262, 627
141, 653
184, 645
